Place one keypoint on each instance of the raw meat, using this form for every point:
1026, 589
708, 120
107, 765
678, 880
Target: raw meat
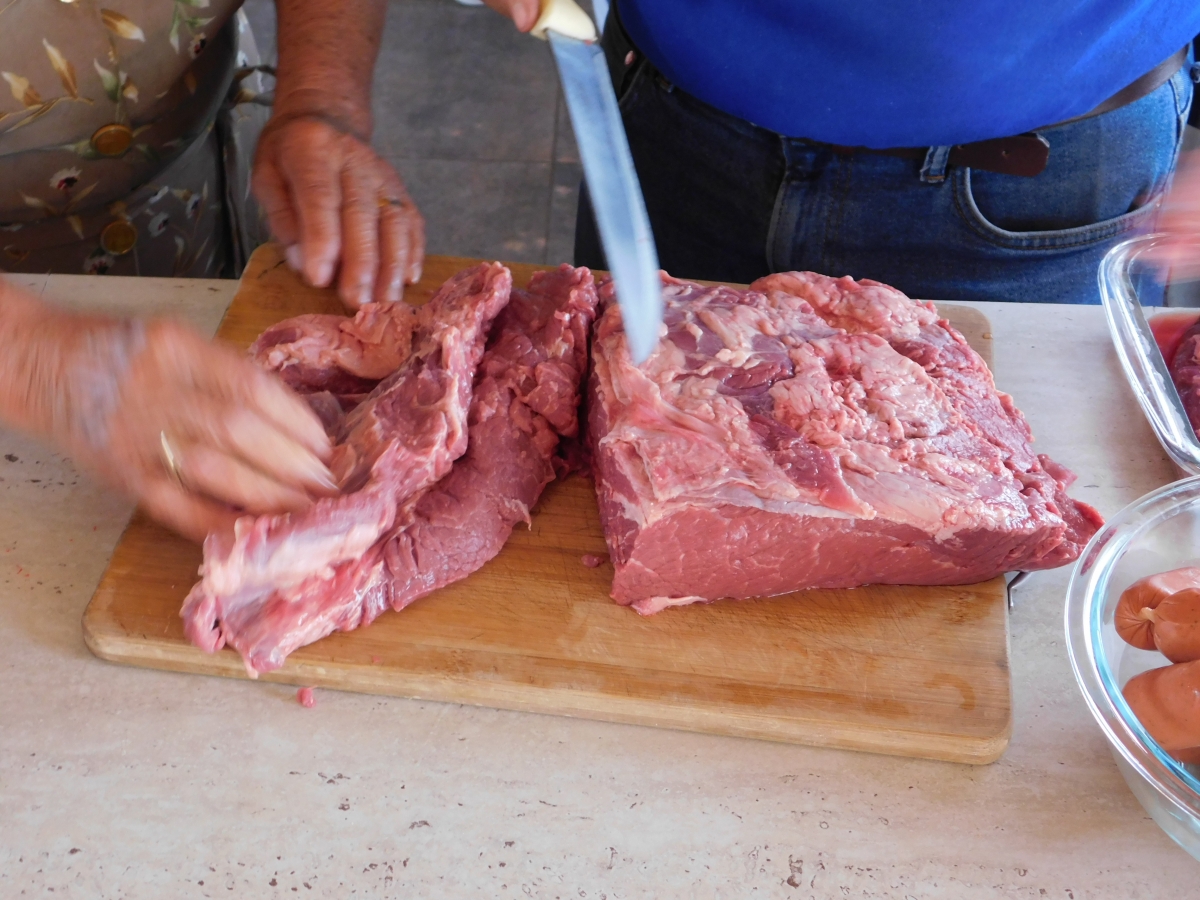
338, 354
809, 433
526, 398
1185, 372
399, 441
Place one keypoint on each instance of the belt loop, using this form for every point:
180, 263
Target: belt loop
933, 171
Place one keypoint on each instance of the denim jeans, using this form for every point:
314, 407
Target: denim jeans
729, 201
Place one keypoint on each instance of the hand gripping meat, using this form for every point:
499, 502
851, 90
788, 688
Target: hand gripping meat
526, 400
401, 439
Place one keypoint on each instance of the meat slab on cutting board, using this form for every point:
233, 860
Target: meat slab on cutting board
413, 515
813, 432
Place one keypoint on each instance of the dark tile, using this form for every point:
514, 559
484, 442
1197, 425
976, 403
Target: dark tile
492, 210
564, 199
459, 82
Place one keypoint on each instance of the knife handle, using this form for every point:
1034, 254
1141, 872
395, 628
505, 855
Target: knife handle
566, 18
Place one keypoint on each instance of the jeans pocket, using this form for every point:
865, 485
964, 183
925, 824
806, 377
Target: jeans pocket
1106, 178
1050, 239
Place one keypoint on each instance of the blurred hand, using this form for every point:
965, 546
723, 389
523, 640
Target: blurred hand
1179, 218
340, 209
239, 440
524, 13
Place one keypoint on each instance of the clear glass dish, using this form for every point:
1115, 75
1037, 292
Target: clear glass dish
1124, 276
1158, 532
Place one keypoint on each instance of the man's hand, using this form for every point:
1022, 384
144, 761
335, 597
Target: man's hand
338, 206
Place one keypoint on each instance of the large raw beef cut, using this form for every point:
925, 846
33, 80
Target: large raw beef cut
813, 433
525, 398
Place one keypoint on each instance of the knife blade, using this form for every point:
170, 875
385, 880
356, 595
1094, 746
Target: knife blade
612, 181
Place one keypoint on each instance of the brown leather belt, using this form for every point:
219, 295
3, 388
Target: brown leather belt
1027, 154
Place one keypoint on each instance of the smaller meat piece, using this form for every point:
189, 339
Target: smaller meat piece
1144, 619
399, 441
337, 354
526, 400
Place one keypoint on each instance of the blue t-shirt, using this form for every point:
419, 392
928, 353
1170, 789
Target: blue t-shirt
907, 73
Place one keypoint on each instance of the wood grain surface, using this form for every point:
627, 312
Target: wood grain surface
913, 671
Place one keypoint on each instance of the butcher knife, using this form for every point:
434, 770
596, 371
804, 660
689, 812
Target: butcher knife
608, 169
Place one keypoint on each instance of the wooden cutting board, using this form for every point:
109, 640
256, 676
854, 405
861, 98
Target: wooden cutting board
914, 671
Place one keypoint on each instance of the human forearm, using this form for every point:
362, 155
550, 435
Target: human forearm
59, 373
114, 394
327, 53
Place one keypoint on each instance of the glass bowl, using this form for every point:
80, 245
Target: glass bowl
1126, 279
1161, 531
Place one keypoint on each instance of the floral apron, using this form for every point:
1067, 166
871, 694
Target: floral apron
126, 135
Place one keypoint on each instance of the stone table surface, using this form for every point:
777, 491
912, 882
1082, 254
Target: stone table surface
120, 782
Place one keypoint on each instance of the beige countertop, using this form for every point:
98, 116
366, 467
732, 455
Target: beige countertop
130, 783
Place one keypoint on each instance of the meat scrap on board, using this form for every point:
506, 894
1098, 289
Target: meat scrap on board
525, 398
813, 432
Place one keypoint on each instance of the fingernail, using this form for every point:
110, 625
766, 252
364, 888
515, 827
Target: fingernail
295, 258
414, 273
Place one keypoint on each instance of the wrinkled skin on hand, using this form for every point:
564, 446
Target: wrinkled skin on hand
240, 437
105, 391
342, 211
